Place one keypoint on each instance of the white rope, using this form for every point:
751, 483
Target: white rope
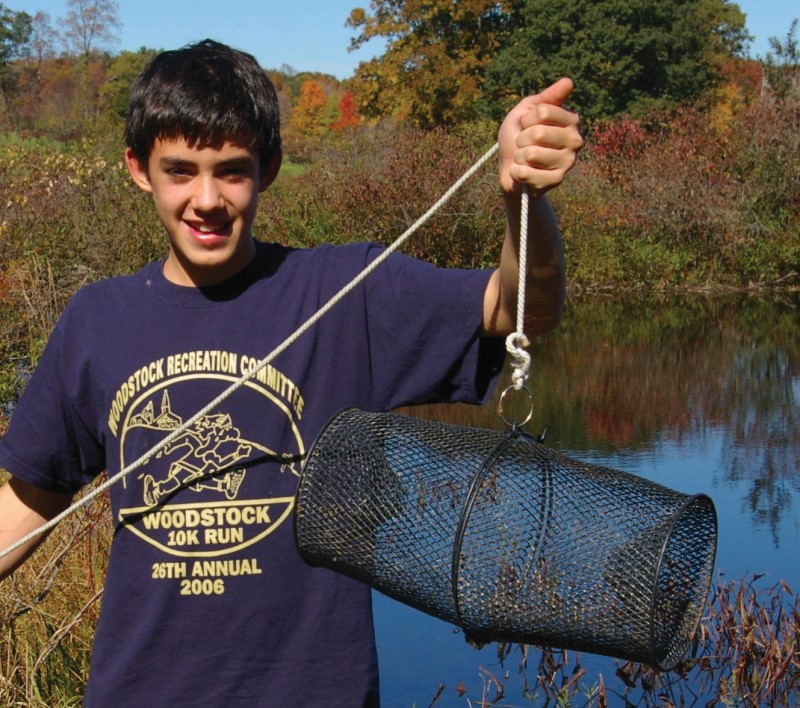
291, 339
516, 342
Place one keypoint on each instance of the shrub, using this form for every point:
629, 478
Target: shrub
680, 201
375, 187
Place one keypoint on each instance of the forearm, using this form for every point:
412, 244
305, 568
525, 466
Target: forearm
545, 279
24, 508
539, 143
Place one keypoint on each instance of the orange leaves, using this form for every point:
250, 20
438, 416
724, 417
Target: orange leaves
309, 110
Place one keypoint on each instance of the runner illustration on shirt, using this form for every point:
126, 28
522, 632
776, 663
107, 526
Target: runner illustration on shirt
211, 450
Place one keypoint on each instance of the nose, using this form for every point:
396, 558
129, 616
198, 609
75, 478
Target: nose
207, 196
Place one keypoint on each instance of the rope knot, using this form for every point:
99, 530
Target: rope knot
516, 344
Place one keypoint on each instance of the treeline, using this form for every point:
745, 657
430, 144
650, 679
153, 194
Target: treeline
66, 84
445, 64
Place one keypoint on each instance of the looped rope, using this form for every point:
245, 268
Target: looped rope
236, 385
517, 342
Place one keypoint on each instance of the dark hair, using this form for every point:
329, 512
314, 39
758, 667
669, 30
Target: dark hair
206, 93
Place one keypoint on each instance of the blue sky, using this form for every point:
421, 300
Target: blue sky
308, 35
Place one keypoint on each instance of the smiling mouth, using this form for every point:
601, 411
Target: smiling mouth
210, 229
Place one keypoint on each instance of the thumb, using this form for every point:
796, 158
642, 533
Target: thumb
556, 94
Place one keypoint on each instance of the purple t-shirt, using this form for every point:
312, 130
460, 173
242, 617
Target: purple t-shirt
207, 601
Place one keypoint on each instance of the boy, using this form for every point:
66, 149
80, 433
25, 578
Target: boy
207, 601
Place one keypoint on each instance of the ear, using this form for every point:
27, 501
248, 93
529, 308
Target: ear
138, 171
270, 172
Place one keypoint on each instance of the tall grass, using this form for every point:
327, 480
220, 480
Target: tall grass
747, 651
48, 612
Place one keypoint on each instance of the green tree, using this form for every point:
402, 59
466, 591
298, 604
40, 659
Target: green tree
625, 56
122, 71
437, 50
15, 30
782, 64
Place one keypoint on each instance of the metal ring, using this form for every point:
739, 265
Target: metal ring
500, 407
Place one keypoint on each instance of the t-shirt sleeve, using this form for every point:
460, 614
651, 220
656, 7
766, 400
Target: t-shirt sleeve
50, 442
425, 334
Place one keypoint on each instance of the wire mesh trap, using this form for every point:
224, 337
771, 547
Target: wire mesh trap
506, 538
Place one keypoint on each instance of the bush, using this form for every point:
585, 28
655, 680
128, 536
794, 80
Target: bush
682, 201
375, 187
679, 200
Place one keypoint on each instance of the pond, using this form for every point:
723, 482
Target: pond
698, 393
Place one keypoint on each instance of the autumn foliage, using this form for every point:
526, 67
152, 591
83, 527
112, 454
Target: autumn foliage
348, 119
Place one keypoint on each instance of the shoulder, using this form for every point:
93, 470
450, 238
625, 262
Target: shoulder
338, 264
356, 255
117, 284
324, 260
106, 296
358, 251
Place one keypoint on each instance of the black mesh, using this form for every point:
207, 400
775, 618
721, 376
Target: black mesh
506, 538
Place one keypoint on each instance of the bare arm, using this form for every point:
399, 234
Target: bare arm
24, 508
539, 143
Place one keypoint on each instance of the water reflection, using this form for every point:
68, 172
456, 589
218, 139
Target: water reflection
698, 393
624, 375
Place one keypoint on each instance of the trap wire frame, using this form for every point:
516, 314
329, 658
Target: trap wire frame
507, 539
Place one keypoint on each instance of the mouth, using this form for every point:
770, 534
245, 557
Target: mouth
206, 231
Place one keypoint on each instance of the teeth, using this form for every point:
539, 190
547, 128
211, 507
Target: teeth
206, 229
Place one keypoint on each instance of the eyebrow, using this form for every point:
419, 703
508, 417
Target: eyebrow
174, 162
243, 161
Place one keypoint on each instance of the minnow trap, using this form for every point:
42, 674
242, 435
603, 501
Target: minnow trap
506, 538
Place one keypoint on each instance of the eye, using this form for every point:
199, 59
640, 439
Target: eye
179, 174
236, 174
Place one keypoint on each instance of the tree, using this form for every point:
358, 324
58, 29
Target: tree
90, 25
43, 38
15, 30
624, 55
308, 114
782, 64
23, 98
122, 72
347, 119
432, 70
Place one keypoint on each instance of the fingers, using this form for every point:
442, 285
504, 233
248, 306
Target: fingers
551, 134
546, 140
554, 95
541, 168
548, 114
541, 157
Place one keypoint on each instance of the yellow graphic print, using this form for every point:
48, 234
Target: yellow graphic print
216, 490
213, 443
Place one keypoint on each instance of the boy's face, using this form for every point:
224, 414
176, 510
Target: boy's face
206, 198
